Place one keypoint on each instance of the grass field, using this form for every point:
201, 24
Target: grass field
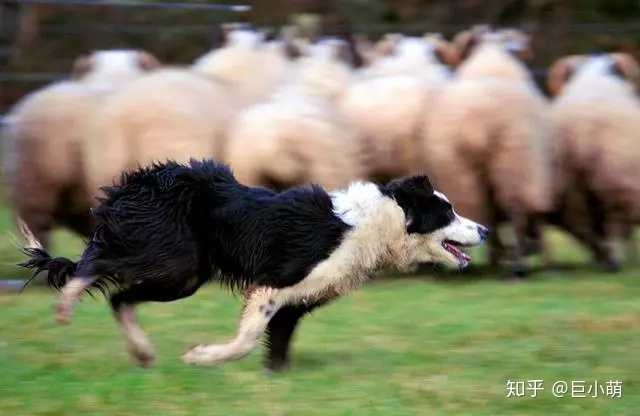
401, 346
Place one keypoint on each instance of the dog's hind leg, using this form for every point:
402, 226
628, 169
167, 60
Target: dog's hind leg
137, 342
69, 295
261, 305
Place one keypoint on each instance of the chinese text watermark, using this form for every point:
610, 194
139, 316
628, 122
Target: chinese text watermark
611, 389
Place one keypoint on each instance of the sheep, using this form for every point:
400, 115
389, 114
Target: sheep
254, 66
485, 141
170, 114
387, 102
297, 136
181, 113
397, 54
596, 120
43, 137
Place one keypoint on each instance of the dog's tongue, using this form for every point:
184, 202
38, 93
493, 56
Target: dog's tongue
457, 252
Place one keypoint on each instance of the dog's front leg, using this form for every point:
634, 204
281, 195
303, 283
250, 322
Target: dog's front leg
261, 304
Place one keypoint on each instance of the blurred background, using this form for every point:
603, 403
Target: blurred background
524, 112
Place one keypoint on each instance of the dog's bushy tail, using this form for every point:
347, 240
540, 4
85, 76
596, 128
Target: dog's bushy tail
58, 269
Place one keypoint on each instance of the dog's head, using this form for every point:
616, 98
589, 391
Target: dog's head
437, 233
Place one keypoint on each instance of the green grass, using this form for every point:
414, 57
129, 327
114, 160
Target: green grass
401, 346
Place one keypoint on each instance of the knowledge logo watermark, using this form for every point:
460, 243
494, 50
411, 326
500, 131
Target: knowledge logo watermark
611, 389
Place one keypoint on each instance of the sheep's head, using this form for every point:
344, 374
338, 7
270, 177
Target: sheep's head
621, 65
113, 65
431, 48
560, 72
513, 41
324, 68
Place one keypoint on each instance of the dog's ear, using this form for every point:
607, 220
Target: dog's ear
408, 192
409, 185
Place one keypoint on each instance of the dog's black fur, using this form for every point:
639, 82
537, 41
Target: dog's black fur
165, 230
167, 223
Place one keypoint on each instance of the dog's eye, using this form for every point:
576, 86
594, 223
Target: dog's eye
450, 215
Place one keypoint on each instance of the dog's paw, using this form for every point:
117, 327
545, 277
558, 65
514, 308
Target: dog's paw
277, 365
204, 354
143, 358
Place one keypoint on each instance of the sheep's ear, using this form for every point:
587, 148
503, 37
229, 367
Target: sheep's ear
443, 50
293, 45
218, 38
365, 49
82, 66
466, 41
220, 34
387, 45
560, 73
269, 34
147, 62
627, 66
518, 43
354, 58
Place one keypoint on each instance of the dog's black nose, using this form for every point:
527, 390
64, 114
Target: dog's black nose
483, 231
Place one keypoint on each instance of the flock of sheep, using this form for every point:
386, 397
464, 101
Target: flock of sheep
287, 111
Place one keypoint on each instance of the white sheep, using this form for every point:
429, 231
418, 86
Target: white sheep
387, 103
486, 140
182, 113
44, 134
297, 135
596, 120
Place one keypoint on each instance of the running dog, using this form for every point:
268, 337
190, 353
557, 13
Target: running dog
165, 230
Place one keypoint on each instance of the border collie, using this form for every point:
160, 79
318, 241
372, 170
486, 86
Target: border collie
165, 230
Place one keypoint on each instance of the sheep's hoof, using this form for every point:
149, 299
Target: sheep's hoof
517, 272
610, 265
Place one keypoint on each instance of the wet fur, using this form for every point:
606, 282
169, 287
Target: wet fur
165, 230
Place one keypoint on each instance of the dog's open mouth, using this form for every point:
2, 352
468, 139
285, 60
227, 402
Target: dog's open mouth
455, 248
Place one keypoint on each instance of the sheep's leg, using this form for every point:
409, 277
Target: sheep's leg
137, 342
69, 295
606, 232
538, 240
545, 250
261, 305
495, 244
612, 242
519, 224
496, 248
631, 243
